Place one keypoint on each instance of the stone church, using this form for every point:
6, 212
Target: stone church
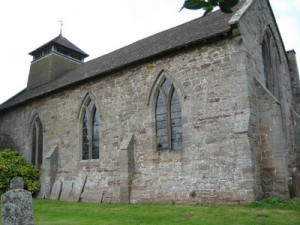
207, 111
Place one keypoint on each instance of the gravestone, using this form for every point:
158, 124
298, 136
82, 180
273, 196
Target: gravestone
77, 187
56, 190
66, 190
92, 197
16, 205
16, 183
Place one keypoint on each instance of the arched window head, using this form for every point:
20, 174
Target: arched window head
90, 131
168, 118
271, 63
37, 143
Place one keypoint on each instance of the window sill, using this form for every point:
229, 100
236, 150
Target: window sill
89, 162
170, 155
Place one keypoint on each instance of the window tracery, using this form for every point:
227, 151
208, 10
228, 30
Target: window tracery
90, 131
168, 118
37, 143
271, 62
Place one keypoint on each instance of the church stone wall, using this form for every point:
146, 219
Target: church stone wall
215, 164
239, 141
272, 119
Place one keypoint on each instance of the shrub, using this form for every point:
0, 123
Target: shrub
193, 194
12, 165
267, 202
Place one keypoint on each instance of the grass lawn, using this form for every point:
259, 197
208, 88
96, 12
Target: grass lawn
272, 212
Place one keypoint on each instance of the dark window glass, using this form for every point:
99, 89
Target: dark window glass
33, 152
37, 143
95, 149
168, 118
271, 61
90, 132
176, 128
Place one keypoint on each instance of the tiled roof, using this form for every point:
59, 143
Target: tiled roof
60, 40
182, 36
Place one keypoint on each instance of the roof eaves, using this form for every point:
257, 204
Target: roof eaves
91, 70
109, 71
62, 41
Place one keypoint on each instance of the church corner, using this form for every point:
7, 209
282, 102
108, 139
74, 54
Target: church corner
211, 116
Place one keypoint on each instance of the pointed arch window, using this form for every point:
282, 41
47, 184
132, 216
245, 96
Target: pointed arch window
90, 131
168, 118
271, 62
37, 143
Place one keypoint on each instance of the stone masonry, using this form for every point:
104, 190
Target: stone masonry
238, 139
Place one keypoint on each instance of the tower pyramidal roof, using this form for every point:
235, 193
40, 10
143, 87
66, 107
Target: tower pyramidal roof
62, 42
53, 59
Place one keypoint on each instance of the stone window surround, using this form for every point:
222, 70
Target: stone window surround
95, 111
151, 102
36, 131
271, 62
168, 121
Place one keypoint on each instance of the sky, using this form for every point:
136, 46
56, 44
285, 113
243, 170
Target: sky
99, 27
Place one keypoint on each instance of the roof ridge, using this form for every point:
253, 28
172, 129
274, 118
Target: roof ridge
181, 36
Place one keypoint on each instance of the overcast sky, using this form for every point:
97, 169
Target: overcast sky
99, 27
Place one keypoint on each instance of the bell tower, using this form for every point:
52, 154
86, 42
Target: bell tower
52, 60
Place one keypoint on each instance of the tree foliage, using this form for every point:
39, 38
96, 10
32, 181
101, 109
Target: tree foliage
12, 165
208, 5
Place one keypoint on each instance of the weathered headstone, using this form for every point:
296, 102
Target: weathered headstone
16, 205
77, 188
16, 183
66, 190
93, 197
56, 190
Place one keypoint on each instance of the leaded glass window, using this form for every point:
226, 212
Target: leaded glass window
271, 62
90, 132
168, 118
37, 143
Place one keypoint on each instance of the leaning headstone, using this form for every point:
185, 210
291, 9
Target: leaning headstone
16, 205
16, 183
66, 190
56, 190
78, 186
92, 197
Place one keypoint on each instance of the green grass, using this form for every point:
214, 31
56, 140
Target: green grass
272, 212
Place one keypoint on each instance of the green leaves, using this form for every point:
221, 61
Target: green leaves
226, 6
12, 165
195, 4
208, 5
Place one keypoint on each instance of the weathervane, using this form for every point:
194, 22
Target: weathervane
61, 25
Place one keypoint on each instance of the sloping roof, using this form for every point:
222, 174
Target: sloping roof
159, 44
60, 40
